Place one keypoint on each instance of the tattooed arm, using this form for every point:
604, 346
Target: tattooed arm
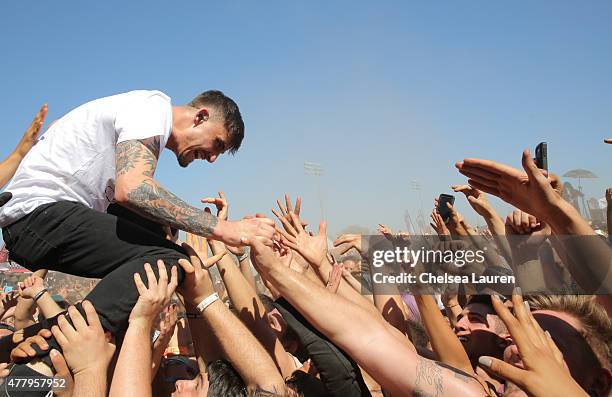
136, 188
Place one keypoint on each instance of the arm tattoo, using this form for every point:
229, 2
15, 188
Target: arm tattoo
129, 153
429, 381
161, 205
150, 199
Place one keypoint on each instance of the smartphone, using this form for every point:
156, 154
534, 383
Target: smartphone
541, 156
443, 209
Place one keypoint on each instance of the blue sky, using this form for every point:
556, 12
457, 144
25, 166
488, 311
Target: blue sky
379, 93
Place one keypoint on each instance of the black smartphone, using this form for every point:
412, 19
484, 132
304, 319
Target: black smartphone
443, 209
541, 156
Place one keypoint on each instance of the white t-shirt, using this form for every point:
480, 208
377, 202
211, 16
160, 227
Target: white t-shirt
75, 159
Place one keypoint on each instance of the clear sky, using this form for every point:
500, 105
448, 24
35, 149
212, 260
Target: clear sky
379, 93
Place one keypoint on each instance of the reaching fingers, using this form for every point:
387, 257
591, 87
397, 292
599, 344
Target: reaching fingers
60, 365
173, 281
59, 336
151, 279
287, 236
511, 322
485, 188
502, 369
92, 316
296, 222
323, 228
187, 267
213, 259
345, 238
162, 282
195, 260
286, 225
142, 289
288, 203
45, 333
77, 319
281, 207
298, 205
532, 170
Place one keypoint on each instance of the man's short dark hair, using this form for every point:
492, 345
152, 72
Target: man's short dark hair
225, 108
224, 381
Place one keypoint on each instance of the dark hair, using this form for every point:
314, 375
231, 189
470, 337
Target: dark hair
226, 109
224, 381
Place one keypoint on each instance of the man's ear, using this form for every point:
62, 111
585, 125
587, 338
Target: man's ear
201, 116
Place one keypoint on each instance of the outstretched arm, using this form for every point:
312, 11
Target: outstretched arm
136, 188
392, 364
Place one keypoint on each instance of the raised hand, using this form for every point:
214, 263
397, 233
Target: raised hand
438, 223
221, 204
535, 232
529, 191
154, 296
199, 245
385, 230
543, 372
347, 242
244, 231
168, 323
197, 285
31, 286
335, 277
477, 199
284, 210
31, 135
84, 344
7, 301
310, 247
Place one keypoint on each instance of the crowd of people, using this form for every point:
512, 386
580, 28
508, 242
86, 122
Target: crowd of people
286, 311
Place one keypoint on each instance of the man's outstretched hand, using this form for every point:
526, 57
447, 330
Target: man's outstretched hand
244, 231
530, 191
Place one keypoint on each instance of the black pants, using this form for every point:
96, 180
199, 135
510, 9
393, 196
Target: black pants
74, 239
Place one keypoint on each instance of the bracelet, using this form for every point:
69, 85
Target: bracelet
207, 302
41, 293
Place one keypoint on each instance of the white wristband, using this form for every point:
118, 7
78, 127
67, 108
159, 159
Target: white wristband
207, 302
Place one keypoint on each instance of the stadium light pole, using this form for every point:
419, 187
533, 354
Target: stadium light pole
316, 170
416, 186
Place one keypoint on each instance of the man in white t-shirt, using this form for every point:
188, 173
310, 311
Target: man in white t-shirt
104, 152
